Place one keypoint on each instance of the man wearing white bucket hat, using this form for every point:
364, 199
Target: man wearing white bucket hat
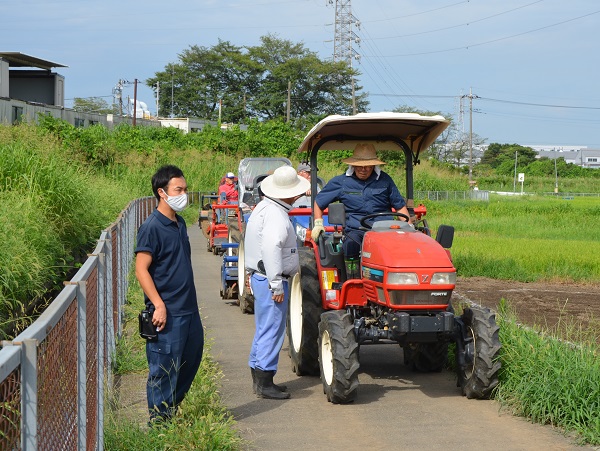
271, 256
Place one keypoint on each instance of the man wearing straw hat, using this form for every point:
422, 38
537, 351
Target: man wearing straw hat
363, 189
271, 256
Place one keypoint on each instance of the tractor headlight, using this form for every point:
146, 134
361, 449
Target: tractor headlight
402, 278
301, 232
444, 278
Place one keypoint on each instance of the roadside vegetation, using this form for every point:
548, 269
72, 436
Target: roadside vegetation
551, 376
61, 186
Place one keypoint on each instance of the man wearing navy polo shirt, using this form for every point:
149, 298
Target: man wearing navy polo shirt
164, 269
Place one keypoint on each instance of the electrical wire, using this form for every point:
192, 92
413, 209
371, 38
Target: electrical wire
540, 104
462, 24
467, 47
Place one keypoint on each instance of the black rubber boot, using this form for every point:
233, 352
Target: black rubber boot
265, 388
278, 387
253, 371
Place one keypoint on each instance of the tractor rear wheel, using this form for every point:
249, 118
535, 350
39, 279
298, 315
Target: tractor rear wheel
338, 357
480, 374
245, 298
426, 357
303, 317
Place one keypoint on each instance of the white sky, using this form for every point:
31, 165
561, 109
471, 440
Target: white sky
422, 54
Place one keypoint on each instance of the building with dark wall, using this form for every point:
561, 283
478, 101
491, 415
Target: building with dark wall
37, 84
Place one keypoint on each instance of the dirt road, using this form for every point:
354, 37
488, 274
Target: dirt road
396, 408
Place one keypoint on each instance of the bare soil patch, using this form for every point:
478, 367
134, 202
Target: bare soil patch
545, 304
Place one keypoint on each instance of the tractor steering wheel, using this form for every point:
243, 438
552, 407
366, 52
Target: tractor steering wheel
364, 219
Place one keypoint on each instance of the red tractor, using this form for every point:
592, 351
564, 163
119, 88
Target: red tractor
400, 290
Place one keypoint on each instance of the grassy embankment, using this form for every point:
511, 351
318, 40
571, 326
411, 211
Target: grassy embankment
56, 199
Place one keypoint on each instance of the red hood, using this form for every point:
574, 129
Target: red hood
401, 249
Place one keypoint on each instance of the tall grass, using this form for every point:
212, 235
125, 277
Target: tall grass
524, 239
51, 210
550, 380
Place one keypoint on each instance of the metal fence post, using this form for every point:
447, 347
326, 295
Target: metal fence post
81, 365
101, 373
29, 396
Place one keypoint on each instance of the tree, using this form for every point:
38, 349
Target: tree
496, 154
204, 81
317, 87
92, 105
253, 82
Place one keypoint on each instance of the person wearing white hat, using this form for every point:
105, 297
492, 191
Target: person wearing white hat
271, 256
363, 189
228, 190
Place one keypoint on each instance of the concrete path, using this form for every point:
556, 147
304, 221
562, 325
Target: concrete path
396, 409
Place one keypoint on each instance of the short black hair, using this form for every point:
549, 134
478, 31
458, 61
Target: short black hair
163, 176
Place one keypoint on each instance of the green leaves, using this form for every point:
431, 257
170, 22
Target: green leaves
234, 84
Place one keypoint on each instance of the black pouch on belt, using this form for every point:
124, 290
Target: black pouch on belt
147, 329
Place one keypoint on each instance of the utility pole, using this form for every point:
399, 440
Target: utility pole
118, 94
172, 82
353, 98
157, 95
288, 100
135, 81
515, 179
470, 135
471, 97
555, 177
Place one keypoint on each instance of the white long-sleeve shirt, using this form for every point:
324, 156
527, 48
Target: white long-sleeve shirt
270, 237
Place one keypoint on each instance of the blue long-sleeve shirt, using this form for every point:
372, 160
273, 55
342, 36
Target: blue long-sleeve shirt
361, 197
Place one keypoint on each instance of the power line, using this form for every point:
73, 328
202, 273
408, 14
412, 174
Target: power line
547, 105
467, 47
420, 13
462, 24
541, 104
415, 95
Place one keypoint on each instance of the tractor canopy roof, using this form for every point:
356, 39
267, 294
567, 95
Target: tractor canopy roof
386, 131
251, 171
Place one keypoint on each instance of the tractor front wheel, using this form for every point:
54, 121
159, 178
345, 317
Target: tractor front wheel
338, 357
303, 317
478, 375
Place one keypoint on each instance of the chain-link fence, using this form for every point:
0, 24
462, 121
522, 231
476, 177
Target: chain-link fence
54, 374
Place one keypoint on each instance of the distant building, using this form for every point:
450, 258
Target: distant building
37, 83
580, 156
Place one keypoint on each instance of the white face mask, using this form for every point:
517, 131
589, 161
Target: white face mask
177, 203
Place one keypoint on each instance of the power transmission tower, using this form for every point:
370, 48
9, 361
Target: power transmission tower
345, 36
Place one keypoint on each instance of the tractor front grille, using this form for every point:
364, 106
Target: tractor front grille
419, 297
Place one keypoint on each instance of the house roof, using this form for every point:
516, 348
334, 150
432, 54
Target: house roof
18, 59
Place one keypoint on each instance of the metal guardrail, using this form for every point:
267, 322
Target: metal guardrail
54, 374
